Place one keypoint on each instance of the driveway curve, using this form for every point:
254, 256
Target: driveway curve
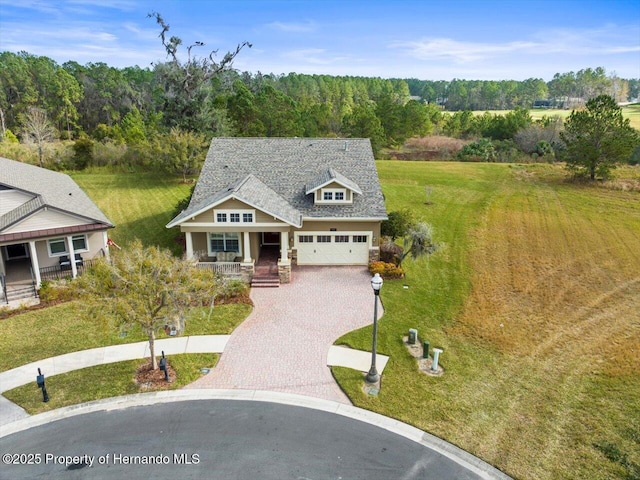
282, 346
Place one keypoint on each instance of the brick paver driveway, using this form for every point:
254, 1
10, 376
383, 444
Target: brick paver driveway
282, 346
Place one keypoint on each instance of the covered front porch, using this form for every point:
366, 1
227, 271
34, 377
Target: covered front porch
236, 254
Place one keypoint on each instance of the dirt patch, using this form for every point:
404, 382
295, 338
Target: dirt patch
149, 380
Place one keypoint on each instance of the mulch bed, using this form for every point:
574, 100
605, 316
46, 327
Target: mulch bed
148, 379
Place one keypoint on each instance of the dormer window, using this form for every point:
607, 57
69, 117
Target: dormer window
333, 195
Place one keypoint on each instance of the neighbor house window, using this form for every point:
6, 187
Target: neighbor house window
58, 246
224, 242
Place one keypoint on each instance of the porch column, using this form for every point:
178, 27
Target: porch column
72, 256
34, 262
246, 247
189, 245
284, 246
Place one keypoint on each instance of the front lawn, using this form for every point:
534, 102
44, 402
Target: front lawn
68, 328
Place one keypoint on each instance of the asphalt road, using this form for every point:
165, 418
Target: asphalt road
219, 439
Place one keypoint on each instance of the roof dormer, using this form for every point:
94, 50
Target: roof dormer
331, 187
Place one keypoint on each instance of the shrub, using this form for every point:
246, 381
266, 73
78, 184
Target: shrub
52, 292
397, 224
480, 151
82, 153
390, 252
233, 290
386, 270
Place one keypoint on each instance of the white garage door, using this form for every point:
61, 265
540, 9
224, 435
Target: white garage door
333, 248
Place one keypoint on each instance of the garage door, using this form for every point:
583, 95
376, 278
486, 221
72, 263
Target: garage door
333, 248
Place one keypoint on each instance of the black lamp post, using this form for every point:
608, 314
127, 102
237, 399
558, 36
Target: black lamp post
376, 284
40, 383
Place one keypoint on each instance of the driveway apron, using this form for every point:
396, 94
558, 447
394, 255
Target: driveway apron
282, 346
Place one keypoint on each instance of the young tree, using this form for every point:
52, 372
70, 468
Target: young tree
418, 242
146, 287
180, 152
597, 138
37, 128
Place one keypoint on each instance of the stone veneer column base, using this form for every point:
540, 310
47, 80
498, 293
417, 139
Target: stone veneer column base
284, 272
246, 271
374, 254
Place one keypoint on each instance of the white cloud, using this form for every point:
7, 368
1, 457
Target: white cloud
461, 52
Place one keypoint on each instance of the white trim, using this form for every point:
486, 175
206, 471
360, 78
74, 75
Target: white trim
227, 198
330, 181
333, 192
212, 253
66, 252
343, 219
264, 226
228, 212
350, 233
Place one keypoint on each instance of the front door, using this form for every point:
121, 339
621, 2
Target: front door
16, 251
270, 238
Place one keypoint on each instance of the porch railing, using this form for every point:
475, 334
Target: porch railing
57, 273
231, 269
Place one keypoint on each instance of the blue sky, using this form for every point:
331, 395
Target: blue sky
427, 39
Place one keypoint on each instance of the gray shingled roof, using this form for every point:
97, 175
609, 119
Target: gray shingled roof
51, 189
251, 191
287, 166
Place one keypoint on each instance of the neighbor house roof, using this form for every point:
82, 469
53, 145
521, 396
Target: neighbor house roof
49, 190
290, 168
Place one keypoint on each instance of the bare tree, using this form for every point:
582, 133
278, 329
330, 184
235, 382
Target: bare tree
37, 128
195, 71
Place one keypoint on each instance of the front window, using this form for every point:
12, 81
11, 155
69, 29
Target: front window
58, 246
224, 242
221, 217
333, 195
234, 217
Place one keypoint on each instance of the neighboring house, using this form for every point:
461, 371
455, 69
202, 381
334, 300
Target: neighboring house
316, 201
46, 220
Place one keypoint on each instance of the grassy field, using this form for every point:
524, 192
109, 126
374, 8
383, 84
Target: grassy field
139, 204
632, 112
535, 299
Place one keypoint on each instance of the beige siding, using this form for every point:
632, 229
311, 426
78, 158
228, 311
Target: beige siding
261, 217
95, 243
10, 199
342, 226
44, 220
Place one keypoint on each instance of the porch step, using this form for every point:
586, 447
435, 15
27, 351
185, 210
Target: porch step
265, 282
20, 293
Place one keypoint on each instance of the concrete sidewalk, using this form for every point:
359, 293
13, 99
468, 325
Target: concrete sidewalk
10, 412
114, 353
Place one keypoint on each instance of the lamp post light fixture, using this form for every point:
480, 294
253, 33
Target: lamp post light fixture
376, 284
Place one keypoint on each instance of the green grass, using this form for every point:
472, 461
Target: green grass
139, 204
103, 381
69, 328
534, 299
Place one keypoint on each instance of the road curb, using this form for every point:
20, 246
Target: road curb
465, 459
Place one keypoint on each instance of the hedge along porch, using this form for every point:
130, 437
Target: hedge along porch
317, 201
